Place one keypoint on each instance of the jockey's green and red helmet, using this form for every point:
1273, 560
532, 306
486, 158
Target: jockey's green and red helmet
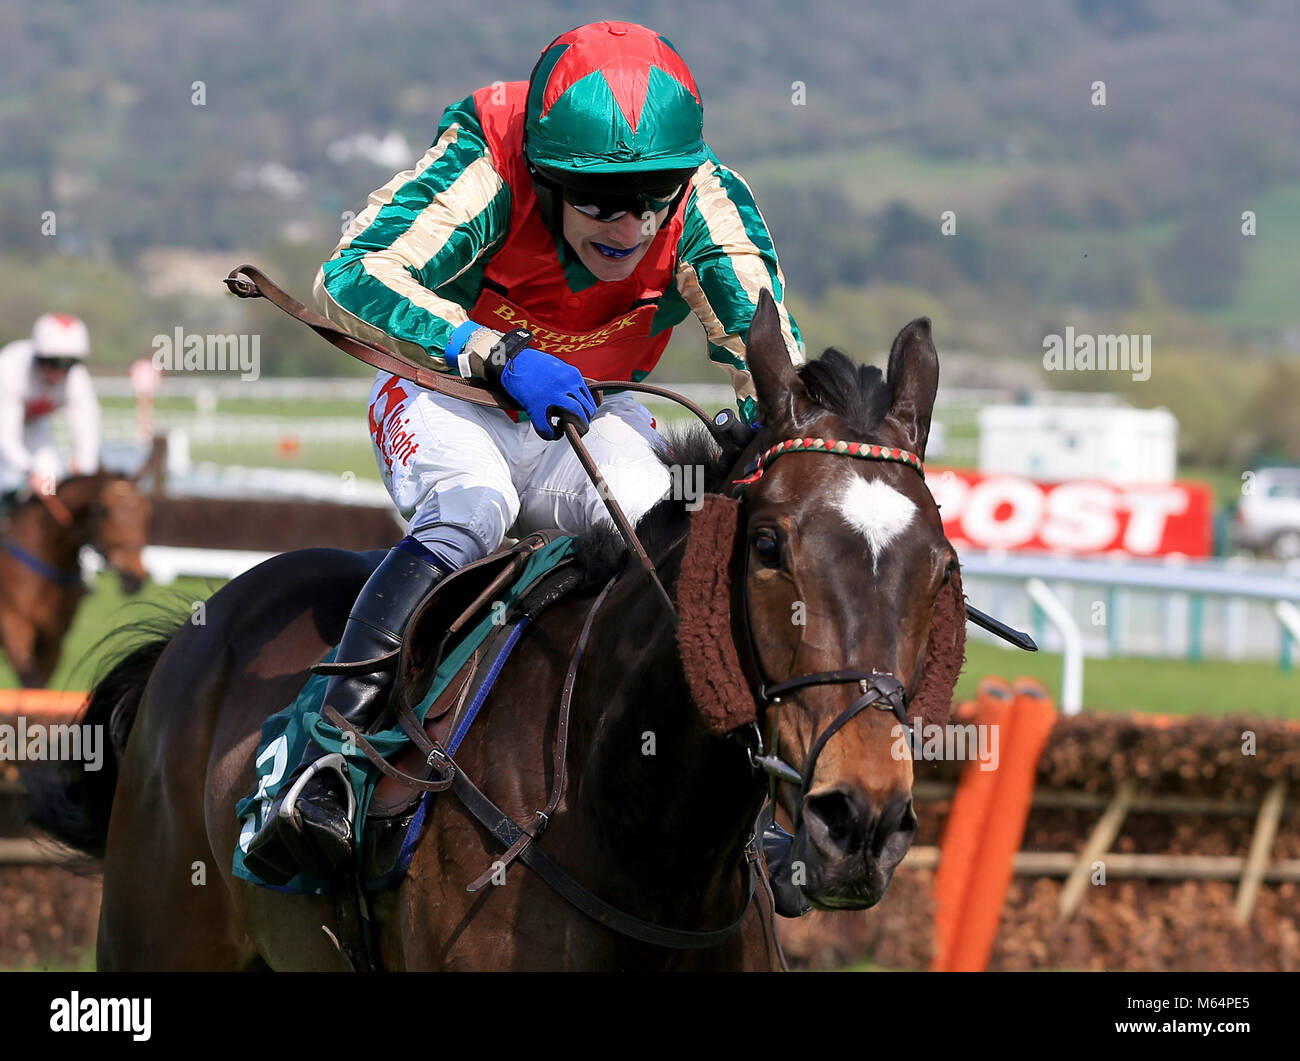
612, 110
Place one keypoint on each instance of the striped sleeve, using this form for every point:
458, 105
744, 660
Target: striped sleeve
725, 258
392, 277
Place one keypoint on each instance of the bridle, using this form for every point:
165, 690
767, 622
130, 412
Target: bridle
879, 689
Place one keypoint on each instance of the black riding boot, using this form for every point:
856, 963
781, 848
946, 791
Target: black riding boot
313, 831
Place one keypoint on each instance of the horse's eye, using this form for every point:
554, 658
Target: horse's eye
947, 571
767, 548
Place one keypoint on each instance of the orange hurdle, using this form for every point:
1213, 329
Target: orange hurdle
986, 825
49, 705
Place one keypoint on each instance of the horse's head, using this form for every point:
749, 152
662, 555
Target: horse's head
117, 525
845, 561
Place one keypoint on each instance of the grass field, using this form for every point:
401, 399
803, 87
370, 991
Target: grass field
1161, 686
1266, 296
873, 177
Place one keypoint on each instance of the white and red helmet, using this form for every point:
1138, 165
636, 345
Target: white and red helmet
60, 336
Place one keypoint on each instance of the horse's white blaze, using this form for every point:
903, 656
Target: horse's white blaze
876, 511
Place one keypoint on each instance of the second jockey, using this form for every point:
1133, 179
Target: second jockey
39, 376
557, 228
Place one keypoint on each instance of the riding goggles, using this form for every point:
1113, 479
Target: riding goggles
613, 205
60, 364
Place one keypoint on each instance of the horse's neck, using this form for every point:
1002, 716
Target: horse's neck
77, 495
37, 528
659, 787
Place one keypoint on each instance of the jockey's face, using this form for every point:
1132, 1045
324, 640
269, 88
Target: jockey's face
587, 237
51, 375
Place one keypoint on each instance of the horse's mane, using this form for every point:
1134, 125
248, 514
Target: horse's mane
100, 475
855, 393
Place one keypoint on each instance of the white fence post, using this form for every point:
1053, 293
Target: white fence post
1071, 641
1289, 616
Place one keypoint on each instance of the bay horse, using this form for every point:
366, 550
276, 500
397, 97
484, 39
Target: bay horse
40, 575
840, 563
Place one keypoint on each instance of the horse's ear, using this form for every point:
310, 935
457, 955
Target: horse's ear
782, 399
914, 377
154, 462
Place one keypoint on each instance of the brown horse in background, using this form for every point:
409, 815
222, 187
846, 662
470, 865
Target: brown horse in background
40, 574
659, 835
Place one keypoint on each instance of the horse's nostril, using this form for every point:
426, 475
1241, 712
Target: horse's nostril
895, 829
839, 818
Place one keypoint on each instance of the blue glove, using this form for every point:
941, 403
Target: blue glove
544, 386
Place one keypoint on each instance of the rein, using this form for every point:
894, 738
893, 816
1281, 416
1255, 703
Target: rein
56, 508
60, 576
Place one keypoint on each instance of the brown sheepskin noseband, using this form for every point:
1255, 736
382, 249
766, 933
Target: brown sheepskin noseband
704, 633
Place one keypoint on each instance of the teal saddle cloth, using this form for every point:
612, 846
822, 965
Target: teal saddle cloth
286, 733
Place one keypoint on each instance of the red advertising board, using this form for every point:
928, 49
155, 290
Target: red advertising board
1080, 517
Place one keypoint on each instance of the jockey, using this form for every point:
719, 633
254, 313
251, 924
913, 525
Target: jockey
557, 228
38, 376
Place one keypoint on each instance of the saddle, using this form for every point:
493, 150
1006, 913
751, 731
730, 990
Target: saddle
435, 635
